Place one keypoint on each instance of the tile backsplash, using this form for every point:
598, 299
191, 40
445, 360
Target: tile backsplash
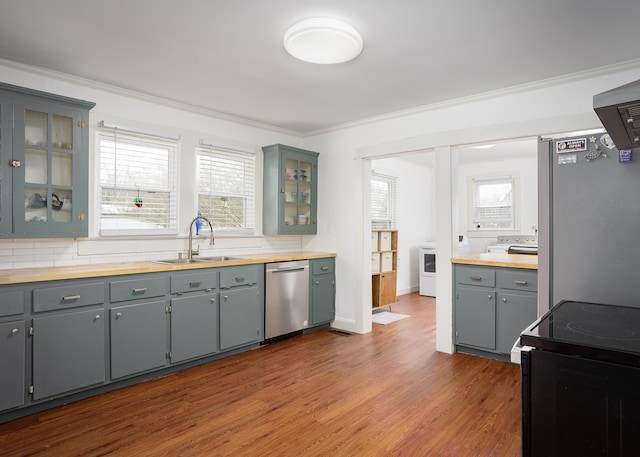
34, 253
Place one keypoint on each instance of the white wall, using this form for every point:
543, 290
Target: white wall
415, 213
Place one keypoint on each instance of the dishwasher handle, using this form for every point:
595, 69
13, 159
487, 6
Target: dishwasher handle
282, 270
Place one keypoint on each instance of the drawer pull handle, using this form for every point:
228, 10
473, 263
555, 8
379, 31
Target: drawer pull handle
239, 278
324, 268
71, 298
194, 284
14, 331
139, 290
476, 278
521, 283
208, 290
317, 282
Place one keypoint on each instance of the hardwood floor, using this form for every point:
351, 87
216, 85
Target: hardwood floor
386, 393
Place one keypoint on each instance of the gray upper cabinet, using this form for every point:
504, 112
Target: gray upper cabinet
43, 164
290, 191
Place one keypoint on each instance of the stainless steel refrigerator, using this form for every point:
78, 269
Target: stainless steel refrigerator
589, 222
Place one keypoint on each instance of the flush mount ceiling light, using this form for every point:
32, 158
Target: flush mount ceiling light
323, 40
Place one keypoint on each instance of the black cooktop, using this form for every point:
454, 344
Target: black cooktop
601, 332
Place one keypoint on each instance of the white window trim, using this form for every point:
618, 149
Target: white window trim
231, 149
105, 129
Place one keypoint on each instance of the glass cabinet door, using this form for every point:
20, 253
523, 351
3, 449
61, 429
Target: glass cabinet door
46, 177
298, 192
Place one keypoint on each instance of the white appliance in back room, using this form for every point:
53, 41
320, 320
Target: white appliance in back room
427, 257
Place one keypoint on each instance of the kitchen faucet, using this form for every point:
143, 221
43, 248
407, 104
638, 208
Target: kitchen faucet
191, 252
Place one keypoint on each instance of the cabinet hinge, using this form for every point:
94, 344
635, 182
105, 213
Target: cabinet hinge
169, 355
30, 331
168, 309
30, 390
82, 124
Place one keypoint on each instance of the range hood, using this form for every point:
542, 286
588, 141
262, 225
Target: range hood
619, 112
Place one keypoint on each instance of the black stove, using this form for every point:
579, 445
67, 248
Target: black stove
597, 331
580, 366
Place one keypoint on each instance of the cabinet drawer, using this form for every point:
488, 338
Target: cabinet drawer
517, 280
71, 296
11, 303
134, 289
194, 281
322, 266
476, 276
234, 277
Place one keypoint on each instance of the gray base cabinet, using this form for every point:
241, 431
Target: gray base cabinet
138, 335
322, 303
476, 317
68, 352
194, 327
241, 305
493, 306
12, 361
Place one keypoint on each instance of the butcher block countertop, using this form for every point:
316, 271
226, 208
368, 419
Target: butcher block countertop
500, 260
24, 275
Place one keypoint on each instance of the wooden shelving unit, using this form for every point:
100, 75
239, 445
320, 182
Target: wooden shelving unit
384, 265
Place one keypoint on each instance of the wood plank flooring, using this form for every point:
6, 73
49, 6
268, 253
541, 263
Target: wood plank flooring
386, 393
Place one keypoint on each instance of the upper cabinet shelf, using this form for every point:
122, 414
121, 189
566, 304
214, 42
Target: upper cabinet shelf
289, 191
43, 164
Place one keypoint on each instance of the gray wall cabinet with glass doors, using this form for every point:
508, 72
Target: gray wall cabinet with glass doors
43, 164
289, 191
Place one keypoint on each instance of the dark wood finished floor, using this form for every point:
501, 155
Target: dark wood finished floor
386, 393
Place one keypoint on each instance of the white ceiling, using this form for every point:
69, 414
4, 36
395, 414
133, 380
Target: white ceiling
227, 56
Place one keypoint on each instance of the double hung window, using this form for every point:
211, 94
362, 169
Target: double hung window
138, 182
226, 188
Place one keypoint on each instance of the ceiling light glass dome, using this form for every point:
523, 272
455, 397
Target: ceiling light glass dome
323, 41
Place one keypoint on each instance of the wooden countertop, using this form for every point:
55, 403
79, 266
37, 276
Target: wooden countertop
23, 275
500, 260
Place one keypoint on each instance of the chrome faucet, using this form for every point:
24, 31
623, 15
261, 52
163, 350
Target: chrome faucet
191, 252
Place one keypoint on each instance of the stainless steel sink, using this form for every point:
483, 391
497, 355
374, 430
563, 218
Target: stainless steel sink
176, 261
219, 258
184, 261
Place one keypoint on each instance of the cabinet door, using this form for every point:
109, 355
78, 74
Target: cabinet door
515, 313
138, 338
476, 317
6, 149
50, 186
239, 317
12, 356
323, 303
68, 352
194, 327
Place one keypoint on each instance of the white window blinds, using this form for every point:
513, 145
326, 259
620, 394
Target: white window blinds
226, 188
493, 203
138, 182
383, 201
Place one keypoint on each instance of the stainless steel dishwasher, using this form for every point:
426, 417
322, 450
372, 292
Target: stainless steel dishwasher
287, 298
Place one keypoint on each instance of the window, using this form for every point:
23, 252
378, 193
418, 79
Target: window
138, 182
383, 201
492, 202
226, 188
